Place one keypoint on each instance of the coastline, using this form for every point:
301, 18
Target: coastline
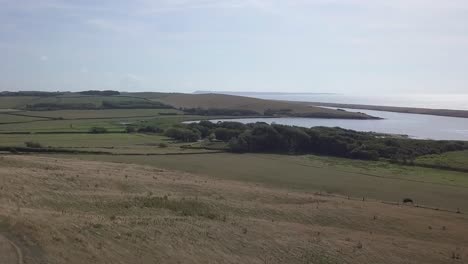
405, 110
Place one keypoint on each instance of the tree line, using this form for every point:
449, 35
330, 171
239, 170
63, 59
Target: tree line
274, 138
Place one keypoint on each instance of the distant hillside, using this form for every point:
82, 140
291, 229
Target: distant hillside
193, 104
285, 108
255, 93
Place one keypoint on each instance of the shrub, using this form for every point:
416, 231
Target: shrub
134, 104
182, 134
225, 134
162, 145
130, 129
98, 130
32, 144
102, 93
150, 129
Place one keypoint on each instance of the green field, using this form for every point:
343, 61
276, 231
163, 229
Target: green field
7, 102
457, 160
67, 125
370, 179
438, 188
95, 114
78, 99
114, 124
7, 118
117, 143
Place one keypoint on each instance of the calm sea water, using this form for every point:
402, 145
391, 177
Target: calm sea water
413, 125
436, 101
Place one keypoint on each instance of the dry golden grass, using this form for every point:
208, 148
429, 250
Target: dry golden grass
222, 101
70, 211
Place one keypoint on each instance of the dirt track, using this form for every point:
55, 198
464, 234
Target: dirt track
9, 252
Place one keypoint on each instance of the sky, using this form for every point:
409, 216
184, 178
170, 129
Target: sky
347, 46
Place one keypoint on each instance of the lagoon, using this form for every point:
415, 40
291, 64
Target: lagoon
413, 125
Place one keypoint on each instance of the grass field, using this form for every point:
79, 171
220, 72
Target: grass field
114, 124
67, 125
456, 159
118, 143
10, 102
104, 113
67, 211
79, 99
381, 181
6, 118
377, 180
150, 200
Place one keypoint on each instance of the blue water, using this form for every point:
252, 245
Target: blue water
434, 101
413, 125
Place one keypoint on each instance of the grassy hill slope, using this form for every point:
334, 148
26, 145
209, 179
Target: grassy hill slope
68, 211
219, 101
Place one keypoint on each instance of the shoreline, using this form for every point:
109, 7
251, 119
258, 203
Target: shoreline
397, 109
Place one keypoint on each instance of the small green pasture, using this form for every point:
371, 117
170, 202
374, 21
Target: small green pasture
9, 102
8, 118
104, 113
455, 159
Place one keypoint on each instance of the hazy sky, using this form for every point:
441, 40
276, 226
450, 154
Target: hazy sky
347, 46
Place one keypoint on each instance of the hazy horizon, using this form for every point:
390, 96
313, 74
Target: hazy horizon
317, 46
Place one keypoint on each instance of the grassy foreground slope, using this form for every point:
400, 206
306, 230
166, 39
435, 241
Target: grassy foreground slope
69, 211
372, 180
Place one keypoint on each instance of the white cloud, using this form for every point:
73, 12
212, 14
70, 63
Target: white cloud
44, 58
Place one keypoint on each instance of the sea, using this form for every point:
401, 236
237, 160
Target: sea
412, 125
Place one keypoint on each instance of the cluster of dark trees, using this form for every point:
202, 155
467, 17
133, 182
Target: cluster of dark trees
134, 105
98, 130
101, 93
262, 137
182, 134
143, 129
220, 112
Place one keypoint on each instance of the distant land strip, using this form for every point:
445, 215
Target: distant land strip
407, 110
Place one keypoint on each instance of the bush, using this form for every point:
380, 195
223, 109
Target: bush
162, 145
225, 134
102, 93
98, 130
182, 134
130, 129
363, 154
150, 129
134, 104
32, 144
